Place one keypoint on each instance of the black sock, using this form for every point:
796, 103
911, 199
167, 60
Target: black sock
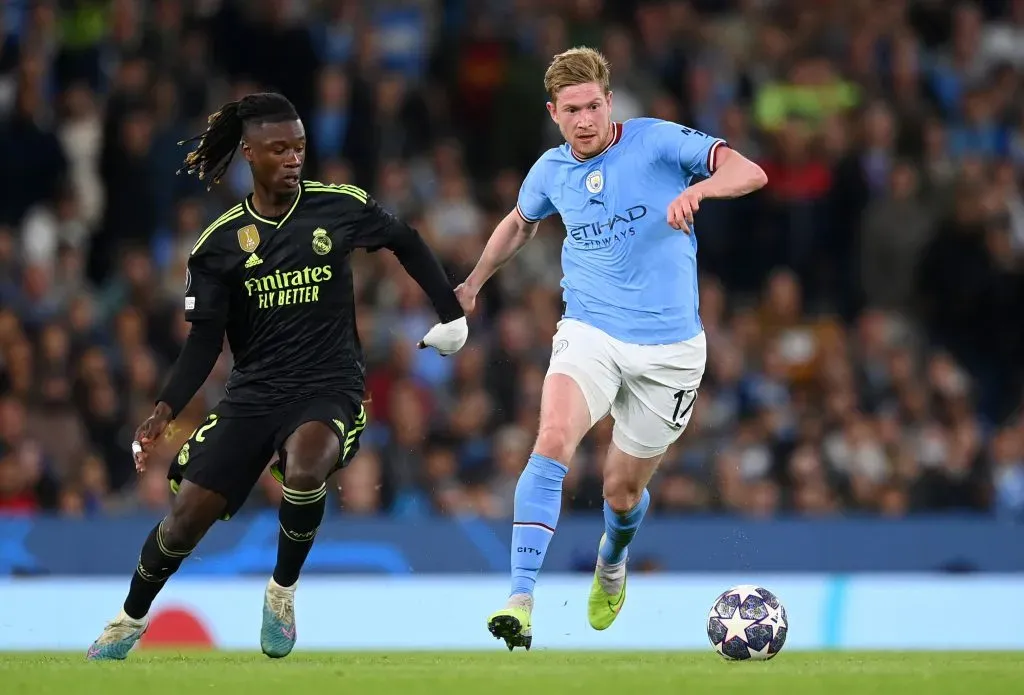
156, 565
300, 516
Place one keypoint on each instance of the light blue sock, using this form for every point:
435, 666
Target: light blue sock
619, 529
538, 502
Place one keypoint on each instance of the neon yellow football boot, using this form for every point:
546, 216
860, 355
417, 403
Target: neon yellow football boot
513, 623
603, 608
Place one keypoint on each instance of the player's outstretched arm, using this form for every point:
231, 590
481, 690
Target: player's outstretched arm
378, 229
423, 266
511, 234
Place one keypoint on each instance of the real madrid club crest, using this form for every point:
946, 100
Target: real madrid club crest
595, 181
321, 242
248, 238
183, 455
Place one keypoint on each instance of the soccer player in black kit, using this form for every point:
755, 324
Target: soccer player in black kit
273, 274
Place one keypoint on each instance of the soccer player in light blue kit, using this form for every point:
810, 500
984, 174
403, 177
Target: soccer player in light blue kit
630, 341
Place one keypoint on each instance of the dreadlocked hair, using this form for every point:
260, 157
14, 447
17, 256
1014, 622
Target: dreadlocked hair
217, 145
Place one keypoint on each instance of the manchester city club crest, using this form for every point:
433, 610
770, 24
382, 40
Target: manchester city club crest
595, 181
321, 242
248, 238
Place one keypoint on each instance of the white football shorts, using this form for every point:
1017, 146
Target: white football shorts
650, 390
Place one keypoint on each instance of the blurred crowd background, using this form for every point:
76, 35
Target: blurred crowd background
865, 311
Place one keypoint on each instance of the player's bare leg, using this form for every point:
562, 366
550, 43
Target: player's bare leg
626, 502
309, 455
194, 511
564, 419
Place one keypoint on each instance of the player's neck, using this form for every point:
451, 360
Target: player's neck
270, 205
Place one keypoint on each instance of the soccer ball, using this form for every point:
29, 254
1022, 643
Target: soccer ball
747, 622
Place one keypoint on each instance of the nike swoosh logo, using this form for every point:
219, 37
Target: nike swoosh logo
616, 606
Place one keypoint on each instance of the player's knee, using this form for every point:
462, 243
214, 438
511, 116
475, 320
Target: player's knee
556, 440
622, 492
303, 477
182, 530
194, 511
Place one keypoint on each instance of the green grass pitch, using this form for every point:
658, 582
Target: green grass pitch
539, 672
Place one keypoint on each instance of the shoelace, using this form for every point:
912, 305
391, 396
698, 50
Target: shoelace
610, 578
517, 602
282, 606
116, 631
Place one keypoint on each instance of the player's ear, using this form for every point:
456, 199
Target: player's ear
552, 111
246, 151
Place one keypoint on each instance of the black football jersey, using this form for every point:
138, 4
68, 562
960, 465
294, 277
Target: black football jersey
284, 288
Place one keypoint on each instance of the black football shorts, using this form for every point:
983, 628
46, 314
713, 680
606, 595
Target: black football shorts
228, 452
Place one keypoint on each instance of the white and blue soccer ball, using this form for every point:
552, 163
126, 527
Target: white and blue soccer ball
747, 622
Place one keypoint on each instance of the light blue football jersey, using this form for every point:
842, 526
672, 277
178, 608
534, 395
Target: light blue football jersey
625, 270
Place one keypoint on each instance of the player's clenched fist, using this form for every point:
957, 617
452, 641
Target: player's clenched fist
149, 431
683, 208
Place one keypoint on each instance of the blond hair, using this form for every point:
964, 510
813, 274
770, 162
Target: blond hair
576, 66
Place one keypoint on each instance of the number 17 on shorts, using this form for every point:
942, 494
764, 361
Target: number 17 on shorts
684, 400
